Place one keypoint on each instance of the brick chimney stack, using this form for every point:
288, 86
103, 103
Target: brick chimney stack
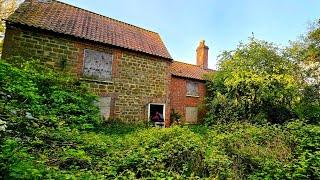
202, 55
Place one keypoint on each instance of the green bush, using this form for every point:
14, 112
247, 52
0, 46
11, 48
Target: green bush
309, 108
34, 96
37, 103
251, 148
307, 150
175, 117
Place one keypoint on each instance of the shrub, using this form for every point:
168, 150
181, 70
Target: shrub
36, 103
306, 152
34, 96
309, 108
175, 117
251, 148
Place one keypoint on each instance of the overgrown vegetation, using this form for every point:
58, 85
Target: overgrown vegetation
269, 87
261, 83
262, 123
257, 83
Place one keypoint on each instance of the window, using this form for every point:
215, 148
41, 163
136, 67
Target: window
97, 65
105, 106
192, 88
191, 115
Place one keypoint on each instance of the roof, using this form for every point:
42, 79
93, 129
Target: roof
185, 70
66, 19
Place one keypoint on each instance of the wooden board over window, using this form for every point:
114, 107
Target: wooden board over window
191, 115
97, 65
105, 106
192, 88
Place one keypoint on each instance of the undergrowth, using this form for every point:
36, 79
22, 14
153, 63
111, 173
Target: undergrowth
50, 129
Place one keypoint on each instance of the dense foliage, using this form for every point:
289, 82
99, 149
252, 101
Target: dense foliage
46, 133
263, 117
37, 107
256, 83
306, 53
261, 83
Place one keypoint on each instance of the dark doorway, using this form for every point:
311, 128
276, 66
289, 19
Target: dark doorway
153, 109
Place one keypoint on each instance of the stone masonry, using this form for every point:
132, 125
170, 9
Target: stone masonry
53, 50
137, 79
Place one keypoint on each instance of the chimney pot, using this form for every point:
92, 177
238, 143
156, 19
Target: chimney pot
202, 55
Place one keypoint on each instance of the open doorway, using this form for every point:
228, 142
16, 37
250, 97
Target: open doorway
156, 114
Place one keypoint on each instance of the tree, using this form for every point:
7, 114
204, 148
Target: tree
256, 82
306, 53
7, 7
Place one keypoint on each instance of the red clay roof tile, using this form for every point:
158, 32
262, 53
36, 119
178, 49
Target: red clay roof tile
185, 70
66, 19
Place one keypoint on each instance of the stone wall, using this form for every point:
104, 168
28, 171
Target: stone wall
178, 95
55, 51
137, 79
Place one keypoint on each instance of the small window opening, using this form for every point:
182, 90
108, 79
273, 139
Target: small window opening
192, 89
156, 114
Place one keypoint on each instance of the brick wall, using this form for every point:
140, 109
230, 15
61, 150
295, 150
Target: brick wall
178, 95
137, 79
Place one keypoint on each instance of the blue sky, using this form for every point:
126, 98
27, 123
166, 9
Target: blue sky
222, 23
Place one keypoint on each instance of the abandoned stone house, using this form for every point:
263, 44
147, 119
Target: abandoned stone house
129, 67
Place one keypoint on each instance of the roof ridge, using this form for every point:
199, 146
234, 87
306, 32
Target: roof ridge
185, 63
113, 19
192, 65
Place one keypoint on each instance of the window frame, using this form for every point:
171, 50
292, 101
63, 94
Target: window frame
158, 104
197, 88
94, 79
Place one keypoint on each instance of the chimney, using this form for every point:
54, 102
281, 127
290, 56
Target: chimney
202, 55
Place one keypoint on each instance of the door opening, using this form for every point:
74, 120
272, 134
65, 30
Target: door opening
156, 114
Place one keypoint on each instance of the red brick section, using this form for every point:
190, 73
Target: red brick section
66, 19
178, 95
181, 74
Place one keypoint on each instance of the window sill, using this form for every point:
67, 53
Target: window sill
97, 81
193, 96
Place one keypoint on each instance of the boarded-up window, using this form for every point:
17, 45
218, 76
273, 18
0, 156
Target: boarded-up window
192, 88
191, 115
105, 106
97, 65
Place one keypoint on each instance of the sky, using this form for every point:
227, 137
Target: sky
221, 23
